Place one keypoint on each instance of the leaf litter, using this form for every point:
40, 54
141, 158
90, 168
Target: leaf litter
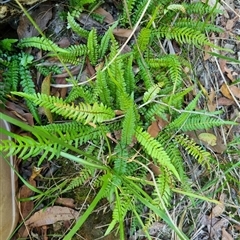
220, 94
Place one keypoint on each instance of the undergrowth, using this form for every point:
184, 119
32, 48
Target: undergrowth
116, 108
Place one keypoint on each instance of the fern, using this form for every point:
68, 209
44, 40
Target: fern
193, 149
92, 46
82, 112
76, 27
155, 150
41, 43
183, 35
28, 87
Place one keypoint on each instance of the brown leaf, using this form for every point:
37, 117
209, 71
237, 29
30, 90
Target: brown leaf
219, 208
25, 192
235, 91
157, 126
51, 215
222, 101
226, 235
67, 202
211, 101
122, 32
45, 89
40, 15
153, 129
224, 90
108, 17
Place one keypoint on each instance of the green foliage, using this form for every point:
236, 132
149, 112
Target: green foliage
106, 120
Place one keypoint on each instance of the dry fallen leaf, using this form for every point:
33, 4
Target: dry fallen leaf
222, 101
51, 215
40, 15
67, 202
224, 90
108, 17
45, 89
209, 138
219, 208
211, 101
226, 235
122, 32
235, 91
156, 126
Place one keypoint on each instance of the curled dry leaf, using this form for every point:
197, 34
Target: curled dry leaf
108, 17
51, 215
157, 126
219, 208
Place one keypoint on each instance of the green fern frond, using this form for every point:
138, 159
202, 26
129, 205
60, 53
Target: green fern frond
200, 122
129, 124
152, 92
29, 88
102, 88
176, 7
93, 47
41, 43
200, 26
84, 175
145, 73
153, 110
76, 27
164, 183
46, 70
193, 149
26, 147
155, 150
11, 76
81, 92
200, 8
142, 41
104, 45
82, 112
170, 62
183, 35
129, 76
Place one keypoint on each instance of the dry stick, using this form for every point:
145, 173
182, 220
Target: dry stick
113, 59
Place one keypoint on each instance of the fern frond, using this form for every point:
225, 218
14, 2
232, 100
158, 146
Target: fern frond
104, 45
183, 35
102, 88
29, 88
200, 8
82, 92
76, 27
170, 62
152, 92
129, 124
201, 26
41, 43
200, 122
93, 47
26, 147
142, 41
145, 73
82, 112
84, 175
155, 150
129, 76
193, 149
164, 183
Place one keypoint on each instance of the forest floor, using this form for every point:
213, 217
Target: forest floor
219, 80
